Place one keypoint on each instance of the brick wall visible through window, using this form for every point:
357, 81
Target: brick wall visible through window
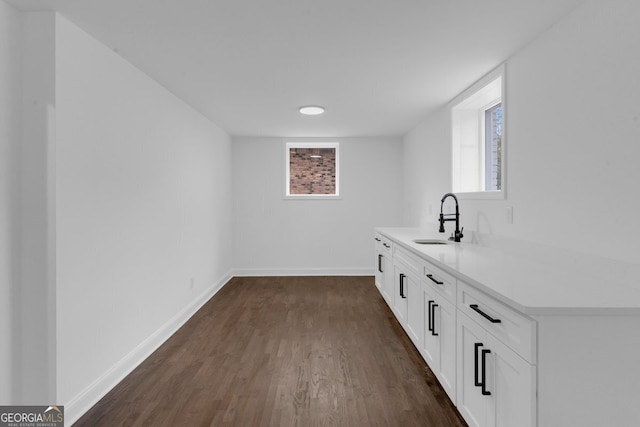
312, 169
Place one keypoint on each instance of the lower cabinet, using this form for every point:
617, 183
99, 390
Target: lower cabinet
379, 258
490, 383
439, 346
400, 293
407, 294
502, 367
384, 268
415, 310
496, 387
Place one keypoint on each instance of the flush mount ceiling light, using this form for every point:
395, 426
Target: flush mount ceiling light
311, 110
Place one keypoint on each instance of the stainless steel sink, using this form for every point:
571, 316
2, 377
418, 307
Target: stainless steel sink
431, 242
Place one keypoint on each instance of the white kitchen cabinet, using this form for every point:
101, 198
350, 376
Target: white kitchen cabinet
399, 293
496, 387
379, 257
383, 263
408, 306
384, 268
415, 309
439, 345
565, 349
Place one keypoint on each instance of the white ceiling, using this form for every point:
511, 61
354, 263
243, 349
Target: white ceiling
378, 66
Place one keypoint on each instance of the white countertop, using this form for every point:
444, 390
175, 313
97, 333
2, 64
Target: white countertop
534, 280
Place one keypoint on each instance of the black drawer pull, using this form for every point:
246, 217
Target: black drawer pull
380, 263
377, 240
386, 246
475, 308
437, 282
402, 276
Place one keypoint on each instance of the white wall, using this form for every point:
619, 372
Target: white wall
273, 235
143, 215
573, 135
36, 296
10, 130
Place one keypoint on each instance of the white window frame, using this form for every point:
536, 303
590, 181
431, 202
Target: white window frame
287, 179
468, 96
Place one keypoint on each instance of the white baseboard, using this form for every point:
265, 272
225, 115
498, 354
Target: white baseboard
303, 272
95, 391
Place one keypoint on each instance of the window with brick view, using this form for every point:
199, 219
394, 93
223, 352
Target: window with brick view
312, 169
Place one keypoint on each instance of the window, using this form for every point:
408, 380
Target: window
493, 148
312, 170
477, 119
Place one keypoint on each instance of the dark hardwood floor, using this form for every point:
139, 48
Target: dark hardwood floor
283, 351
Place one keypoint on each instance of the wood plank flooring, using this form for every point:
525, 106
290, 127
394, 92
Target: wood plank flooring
283, 351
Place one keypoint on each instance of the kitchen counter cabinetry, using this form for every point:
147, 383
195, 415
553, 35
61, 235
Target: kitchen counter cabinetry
384, 264
496, 386
439, 348
518, 341
408, 294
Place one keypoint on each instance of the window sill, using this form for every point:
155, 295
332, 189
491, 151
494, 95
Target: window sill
312, 197
481, 195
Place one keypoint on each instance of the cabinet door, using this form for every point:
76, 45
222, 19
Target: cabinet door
387, 279
415, 309
472, 404
513, 380
399, 294
378, 267
431, 346
496, 387
445, 326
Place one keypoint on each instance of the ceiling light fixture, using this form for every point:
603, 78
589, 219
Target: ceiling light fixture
311, 110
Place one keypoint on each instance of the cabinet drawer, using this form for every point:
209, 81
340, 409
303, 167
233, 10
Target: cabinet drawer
411, 261
442, 282
515, 330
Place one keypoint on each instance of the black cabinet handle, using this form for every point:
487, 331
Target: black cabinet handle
433, 314
484, 373
475, 308
380, 263
432, 317
377, 240
437, 282
402, 276
386, 246
476, 381
431, 327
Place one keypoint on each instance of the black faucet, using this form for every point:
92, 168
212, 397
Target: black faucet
458, 233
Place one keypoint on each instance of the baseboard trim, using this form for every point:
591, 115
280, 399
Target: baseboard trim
95, 391
250, 272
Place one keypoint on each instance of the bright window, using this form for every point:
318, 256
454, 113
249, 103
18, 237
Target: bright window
312, 169
477, 118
